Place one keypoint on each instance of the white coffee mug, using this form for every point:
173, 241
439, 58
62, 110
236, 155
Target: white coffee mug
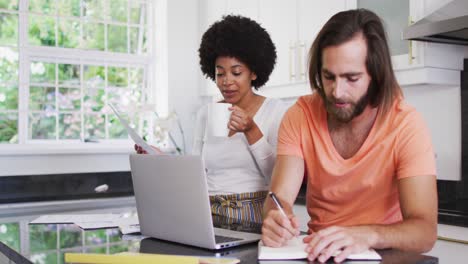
218, 118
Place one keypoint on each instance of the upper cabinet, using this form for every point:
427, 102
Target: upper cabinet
415, 62
213, 10
292, 26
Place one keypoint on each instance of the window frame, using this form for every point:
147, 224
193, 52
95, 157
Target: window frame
28, 53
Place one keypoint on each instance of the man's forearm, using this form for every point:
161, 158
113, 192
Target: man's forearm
417, 235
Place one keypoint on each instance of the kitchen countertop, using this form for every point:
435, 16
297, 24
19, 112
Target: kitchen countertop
48, 243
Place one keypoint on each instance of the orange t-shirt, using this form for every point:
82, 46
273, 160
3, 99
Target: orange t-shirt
362, 189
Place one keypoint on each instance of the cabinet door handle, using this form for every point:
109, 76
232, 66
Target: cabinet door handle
410, 45
301, 66
292, 70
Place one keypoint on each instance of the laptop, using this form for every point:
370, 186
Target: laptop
172, 201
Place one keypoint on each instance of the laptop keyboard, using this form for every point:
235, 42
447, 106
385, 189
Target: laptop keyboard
224, 239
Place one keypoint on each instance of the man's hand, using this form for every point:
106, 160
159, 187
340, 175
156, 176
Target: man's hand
277, 229
341, 240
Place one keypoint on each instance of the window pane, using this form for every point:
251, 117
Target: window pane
70, 236
116, 130
137, 40
42, 98
117, 38
8, 128
8, 97
94, 76
69, 74
69, 33
69, 99
96, 237
9, 4
8, 29
41, 30
42, 237
136, 76
117, 76
123, 97
137, 13
118, 10
42, 6
42, 72
8, 65
114, 235
94, 9
95, 126
93, 36
96, 250
44, 258
69, 8
9, 234
93, 100
42, 126
70, 126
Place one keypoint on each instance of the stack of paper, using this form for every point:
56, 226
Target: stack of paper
93, 221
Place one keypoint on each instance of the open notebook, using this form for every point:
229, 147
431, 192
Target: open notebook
295, 250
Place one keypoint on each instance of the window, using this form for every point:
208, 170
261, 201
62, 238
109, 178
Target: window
63, 61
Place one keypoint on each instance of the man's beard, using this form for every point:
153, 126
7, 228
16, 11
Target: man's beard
344, 115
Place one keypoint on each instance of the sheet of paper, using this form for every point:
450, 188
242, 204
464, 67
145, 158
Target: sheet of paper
92, 221
129, 229
96, 225
80, 218
295, 249
133, 134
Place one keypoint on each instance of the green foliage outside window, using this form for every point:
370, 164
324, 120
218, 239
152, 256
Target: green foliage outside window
9, 4
10, 235
60, 107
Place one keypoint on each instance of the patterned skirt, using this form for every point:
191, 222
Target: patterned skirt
241, 207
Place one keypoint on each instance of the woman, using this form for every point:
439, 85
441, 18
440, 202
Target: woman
238, 54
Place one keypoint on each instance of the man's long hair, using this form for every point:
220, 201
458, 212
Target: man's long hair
342, 27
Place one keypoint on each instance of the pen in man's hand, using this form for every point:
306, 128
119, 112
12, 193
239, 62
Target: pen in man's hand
277, 203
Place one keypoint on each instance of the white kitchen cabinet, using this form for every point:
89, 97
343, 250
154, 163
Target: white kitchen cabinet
213, 10
293, 26
416, 62
247, 8
311, 18
278, 17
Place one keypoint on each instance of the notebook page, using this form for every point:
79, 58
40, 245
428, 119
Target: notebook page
295, 249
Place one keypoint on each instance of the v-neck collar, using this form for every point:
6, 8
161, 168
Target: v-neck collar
361, 148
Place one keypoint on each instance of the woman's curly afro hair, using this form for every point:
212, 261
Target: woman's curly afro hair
241, 38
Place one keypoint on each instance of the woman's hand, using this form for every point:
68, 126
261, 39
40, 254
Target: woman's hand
140, 150
240, 121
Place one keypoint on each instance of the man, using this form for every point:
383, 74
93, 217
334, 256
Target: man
367, 155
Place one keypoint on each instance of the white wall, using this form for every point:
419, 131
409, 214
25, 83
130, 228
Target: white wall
183, 70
